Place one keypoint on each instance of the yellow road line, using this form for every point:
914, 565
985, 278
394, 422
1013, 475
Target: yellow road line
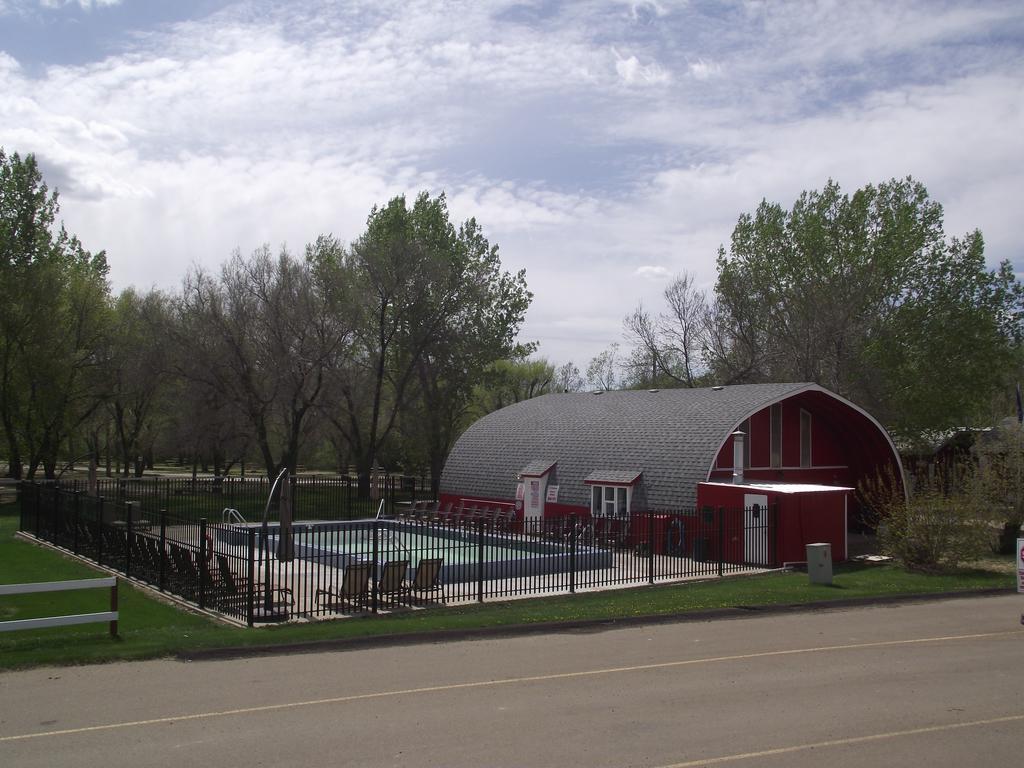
843, 742
503, 681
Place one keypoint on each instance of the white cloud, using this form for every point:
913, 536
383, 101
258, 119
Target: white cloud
633, 72
704, 70
85, 5
273, 122
655, 273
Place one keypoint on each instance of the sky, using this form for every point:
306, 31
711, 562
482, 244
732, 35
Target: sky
605, 146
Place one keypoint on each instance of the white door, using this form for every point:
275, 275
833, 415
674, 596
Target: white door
755, 529
533, 504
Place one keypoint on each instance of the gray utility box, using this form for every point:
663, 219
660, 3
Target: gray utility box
819, 563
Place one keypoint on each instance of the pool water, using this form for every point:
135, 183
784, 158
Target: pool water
337, 544
408, 545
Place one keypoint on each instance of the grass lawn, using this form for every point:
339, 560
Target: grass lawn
150, 627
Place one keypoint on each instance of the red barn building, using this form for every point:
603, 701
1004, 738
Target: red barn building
795, 447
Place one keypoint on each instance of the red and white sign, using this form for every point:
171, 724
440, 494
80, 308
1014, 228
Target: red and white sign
552, 497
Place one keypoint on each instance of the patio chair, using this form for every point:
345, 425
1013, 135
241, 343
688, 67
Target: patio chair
231, 591
503, 521
392, 585
354, 589
427, 578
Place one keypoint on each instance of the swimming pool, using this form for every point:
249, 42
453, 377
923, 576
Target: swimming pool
467, 555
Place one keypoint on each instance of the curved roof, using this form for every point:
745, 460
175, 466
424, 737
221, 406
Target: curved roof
672, 436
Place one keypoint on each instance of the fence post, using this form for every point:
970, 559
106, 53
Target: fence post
572, 553
721, 539
75, 507
113, 608
293, 482
376, 553
128, 539
163, 550
480, 562
650, 547
55, 518
99, 527
38, 493
250, 597
202, 562
773, 521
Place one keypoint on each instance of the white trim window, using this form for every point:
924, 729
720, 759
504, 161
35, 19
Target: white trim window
610, 501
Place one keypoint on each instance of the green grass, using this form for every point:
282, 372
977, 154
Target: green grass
151, 628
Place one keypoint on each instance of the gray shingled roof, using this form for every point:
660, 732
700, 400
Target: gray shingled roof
672, 436
536, 468
613, 477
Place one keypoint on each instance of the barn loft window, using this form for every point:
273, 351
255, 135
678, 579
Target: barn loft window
776, 436
805, 438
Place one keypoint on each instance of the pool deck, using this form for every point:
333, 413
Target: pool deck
303, 578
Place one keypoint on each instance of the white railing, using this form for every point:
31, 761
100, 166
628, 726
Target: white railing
110, 616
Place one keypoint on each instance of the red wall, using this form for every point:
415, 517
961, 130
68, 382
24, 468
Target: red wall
827, 448
550, 510
801, 519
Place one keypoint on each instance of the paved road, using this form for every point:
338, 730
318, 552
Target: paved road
928, 684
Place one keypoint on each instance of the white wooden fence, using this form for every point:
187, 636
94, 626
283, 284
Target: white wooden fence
63, 621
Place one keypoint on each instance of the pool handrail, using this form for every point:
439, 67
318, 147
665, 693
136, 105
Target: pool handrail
230, 515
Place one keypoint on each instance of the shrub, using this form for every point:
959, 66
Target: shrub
937, 527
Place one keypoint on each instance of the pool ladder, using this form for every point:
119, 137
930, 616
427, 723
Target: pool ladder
230, 515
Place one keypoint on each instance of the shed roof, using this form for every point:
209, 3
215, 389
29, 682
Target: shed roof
671, 435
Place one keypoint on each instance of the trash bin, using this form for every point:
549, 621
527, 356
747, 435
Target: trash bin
819, 563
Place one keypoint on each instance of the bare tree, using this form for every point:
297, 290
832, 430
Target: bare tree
262, 338
668, 348
603, 369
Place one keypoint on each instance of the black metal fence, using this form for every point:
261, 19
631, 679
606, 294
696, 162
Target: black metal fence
314, 497
261, 573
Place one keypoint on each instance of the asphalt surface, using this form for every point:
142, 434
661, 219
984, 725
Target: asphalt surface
936, 684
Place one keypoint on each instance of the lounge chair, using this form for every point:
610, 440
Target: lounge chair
427, 578
392, 585
354, 589
231, 591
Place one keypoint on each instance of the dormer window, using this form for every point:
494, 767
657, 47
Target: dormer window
611, 492
609, 501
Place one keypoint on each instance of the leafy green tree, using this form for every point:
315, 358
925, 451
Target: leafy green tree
432, 308
53, 317
866, 295
511, 381
136, 371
